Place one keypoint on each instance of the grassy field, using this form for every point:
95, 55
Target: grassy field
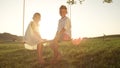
90, 53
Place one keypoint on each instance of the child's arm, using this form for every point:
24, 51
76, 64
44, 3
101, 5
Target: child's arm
67, 24
36, 32
58, 34
62, 31
37, 35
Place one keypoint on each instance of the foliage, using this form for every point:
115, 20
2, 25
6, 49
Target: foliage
90, 53
71, 2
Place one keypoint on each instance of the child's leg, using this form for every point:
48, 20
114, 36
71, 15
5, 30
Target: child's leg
57, 54
40, 51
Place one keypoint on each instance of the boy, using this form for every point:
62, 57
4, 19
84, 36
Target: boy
64, 26
63, 32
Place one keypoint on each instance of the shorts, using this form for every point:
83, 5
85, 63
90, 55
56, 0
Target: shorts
64, 37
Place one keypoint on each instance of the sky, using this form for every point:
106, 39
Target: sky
91, 19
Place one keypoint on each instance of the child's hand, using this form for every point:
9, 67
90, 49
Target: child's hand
56, 38
66, 37
62, 31
43, 40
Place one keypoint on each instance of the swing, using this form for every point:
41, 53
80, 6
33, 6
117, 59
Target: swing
34, 47
27, 46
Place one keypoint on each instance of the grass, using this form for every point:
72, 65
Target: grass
90, 53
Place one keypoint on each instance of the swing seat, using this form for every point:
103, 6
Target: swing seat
30, 47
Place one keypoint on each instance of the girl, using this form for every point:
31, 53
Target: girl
32, 37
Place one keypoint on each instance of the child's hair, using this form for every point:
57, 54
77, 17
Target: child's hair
63, 7
36, 14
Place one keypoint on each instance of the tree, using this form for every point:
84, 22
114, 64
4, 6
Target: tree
107, 1
71, 2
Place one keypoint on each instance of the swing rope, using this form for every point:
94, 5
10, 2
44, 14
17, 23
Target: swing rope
23, 18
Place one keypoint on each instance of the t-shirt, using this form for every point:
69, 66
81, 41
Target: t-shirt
66, 24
